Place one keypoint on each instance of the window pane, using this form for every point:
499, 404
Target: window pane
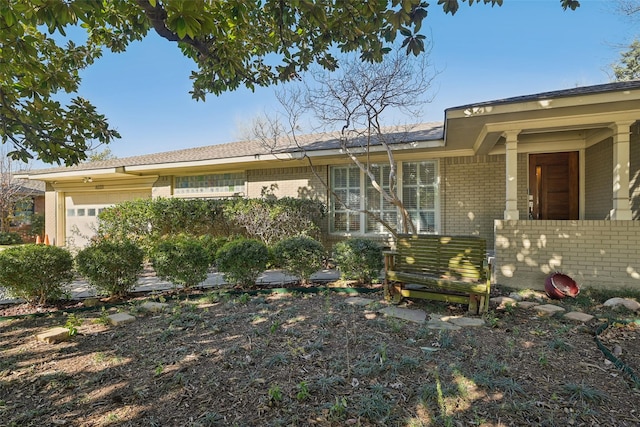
80, 212
340, 221
91, 212
71, 212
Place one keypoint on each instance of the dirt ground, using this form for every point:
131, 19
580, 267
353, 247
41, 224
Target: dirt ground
307, 359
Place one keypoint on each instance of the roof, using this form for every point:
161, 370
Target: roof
311, 142
565, 93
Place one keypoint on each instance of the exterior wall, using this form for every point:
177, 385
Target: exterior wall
297, 182
50, 217
163, 187
598, 180
634, 171
473, 194
594, 253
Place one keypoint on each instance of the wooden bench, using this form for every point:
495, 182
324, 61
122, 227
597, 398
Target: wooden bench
443, 268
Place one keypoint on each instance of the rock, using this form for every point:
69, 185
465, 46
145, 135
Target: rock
358, 301
54, 335
443, 326
578, 316
90, 302
548, 309
515, 296
154, 307
121, 318
417, 316
527, 304
502, 301
628, 303
464, 321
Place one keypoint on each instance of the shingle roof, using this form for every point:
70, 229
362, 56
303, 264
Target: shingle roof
576, 91
312, 142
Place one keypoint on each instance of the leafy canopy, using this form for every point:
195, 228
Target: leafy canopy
233, 43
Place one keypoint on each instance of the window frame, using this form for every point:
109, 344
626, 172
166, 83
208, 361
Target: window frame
366, 184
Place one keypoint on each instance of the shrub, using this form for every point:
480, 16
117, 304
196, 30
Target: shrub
111, 266
358, 259
242, 261
10, 238
36, 273
211, 245
181, 260
300, 256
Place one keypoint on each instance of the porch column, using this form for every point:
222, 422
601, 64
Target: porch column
621, 204
511, 208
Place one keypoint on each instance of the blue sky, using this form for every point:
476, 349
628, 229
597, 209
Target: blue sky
482, 53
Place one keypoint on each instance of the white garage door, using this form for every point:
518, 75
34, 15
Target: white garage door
82, 210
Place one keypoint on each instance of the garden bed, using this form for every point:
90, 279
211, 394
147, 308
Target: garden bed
312, 359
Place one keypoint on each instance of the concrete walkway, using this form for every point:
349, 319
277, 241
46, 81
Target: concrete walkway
80, 289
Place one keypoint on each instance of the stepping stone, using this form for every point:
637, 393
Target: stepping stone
578, 316
548, 309
516, 296
628, 303
465, 322
91, 302
417, 316
154, 307
442, 326
54, 335
359, 301
121, 318
526, 304
502, 300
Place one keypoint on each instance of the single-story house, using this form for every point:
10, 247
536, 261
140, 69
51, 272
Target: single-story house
551, 180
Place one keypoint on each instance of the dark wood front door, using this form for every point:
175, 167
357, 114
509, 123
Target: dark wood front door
554, 185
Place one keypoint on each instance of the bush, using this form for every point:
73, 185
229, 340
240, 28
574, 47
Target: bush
211, 245
359, 259
181, 260
300, 256
36, 273
242, 261
110, 266
10, 238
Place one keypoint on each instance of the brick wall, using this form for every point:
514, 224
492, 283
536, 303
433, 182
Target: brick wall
595, 253
598, 180
292, 182
473, 192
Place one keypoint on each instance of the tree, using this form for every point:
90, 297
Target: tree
233, 43
12, 192
101, 156
358, 98
628, 67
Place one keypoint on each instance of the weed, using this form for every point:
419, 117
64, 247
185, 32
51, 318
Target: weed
274, 326
543, 360
211, 419
394, 324
339, 409
244, 299
560, 345
104, 317
275, 394
159, 369
584, 393
73, 322
303, 391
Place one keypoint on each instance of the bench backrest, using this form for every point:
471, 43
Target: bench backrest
457, 257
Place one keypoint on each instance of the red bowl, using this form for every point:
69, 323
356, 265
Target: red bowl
558, 286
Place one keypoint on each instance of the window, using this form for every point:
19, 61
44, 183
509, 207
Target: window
417, 190
419, 194
208, 184
345, 183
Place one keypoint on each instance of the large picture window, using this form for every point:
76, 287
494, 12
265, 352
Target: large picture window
223, 183
417, 188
